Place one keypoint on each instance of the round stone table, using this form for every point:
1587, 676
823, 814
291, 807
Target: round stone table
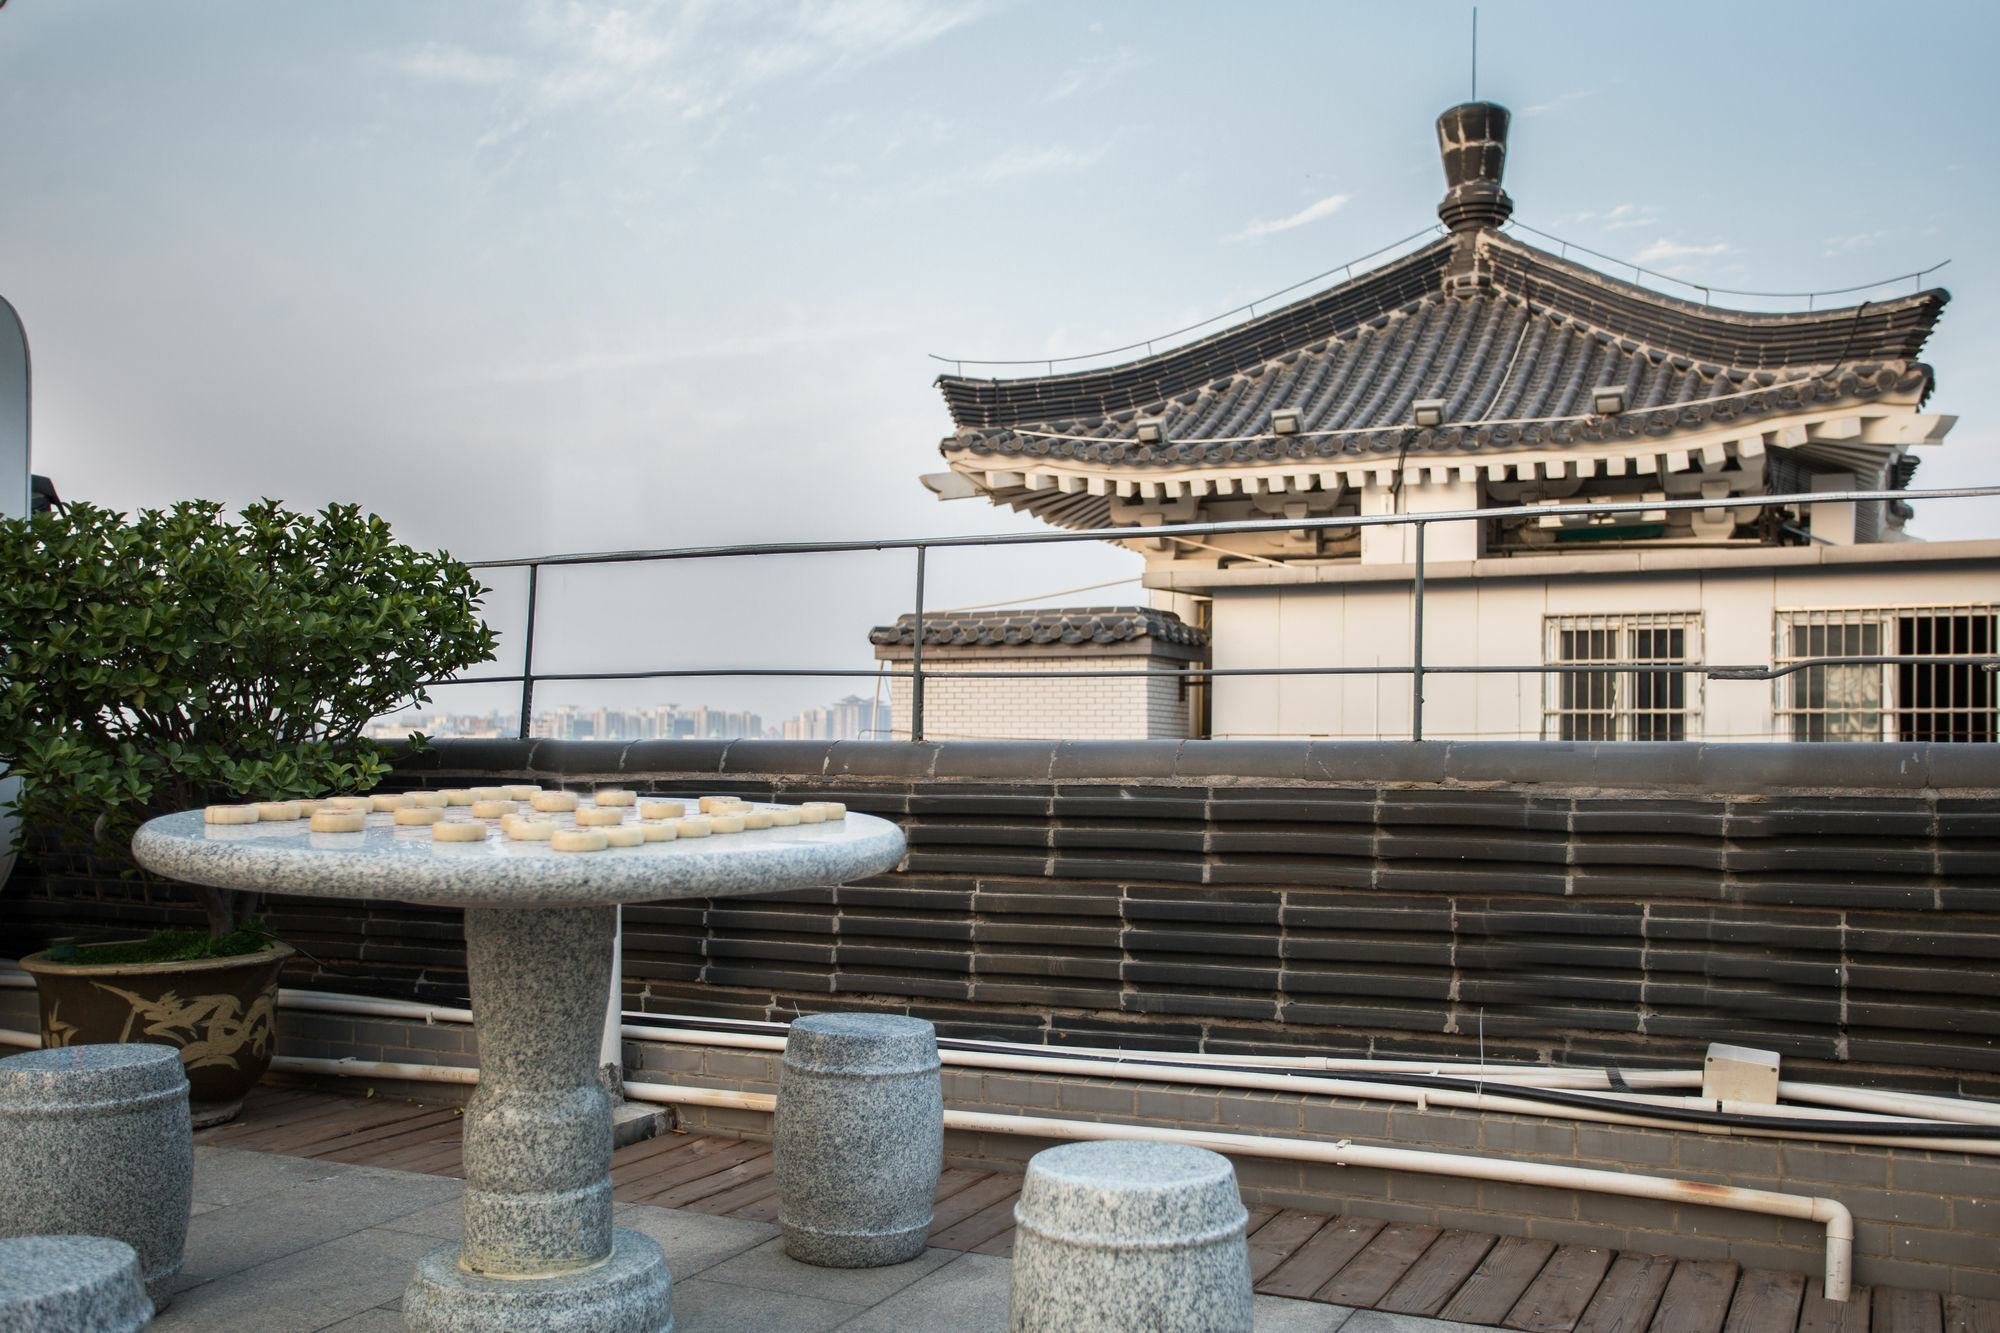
539, 1251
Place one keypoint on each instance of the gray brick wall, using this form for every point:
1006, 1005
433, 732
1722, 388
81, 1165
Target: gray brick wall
1923, 1220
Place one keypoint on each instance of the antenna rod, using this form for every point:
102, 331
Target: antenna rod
1475, 53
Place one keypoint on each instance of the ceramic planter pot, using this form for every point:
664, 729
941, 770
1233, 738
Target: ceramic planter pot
218, 1012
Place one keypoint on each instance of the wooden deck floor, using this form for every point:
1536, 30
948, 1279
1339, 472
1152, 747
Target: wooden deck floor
1503, 1281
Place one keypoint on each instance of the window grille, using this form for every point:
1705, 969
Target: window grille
1622, 704
1896, 701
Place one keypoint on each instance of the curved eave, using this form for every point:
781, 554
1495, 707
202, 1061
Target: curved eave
1890, 330
1122, 388
1632, 318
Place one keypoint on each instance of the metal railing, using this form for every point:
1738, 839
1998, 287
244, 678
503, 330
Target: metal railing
1418, 669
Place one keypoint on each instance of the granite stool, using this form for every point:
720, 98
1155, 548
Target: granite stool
1115, 1236
859, 1139
71, 1284
96, 1141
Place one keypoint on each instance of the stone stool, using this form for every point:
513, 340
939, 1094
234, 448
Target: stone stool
96, 1141
859, 1139
1117, 1236
71, 1284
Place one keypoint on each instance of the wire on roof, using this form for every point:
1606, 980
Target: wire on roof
1147, 343
1024, 601
1707, 290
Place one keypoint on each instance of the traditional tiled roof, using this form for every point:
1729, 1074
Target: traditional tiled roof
1527, 340
1071, 625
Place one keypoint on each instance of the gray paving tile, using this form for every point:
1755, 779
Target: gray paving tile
967, 1295
693, 1242
224, 1176
1381, 1321
1275, 1314
369, 1321
701, 1306
302, 1291
241, 1236
768, 1269
445, 1220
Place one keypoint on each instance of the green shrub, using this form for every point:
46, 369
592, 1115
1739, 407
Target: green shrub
175, 946
179, 658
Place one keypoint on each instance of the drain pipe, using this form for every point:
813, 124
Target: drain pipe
1830, 1213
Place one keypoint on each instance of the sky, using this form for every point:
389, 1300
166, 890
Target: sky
528, 276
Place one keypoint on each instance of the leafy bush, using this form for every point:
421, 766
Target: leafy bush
175, 946
178, 658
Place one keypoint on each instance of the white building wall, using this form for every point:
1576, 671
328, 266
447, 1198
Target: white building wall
1092, 709
1494, 621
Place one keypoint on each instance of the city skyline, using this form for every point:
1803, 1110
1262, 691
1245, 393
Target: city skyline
844, 719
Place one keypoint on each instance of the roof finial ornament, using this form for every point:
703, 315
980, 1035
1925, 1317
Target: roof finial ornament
1472, 136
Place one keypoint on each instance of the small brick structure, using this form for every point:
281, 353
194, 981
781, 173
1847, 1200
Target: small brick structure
1151, 706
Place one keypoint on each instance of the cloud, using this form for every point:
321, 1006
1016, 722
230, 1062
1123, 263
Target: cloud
614, 360
1543, 108
1845, 245
1325, 208
1666, 251
1093, 72
691, 60
443, 62
1017, 163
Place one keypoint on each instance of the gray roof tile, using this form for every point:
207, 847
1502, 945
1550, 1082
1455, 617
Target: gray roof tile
1064, 625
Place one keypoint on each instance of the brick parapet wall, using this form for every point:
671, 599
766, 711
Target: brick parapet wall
1922, 1220
1576, 903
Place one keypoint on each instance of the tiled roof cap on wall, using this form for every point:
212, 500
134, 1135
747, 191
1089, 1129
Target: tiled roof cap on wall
1066, 625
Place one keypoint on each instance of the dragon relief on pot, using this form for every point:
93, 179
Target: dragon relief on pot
208, 1029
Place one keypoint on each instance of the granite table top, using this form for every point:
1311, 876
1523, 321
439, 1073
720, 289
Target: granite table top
402, 863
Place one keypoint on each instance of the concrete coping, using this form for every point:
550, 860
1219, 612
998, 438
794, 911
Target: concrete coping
1692, 766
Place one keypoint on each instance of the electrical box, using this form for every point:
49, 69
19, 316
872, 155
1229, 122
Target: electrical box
1740, 1074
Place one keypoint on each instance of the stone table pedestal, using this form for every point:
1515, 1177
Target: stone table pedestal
539, 1253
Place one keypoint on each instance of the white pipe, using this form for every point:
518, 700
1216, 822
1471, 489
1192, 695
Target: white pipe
1527, 1075
31, 1040
327, 1002
344, 1068
1915, 1105
1420, 1097
1918, 1104
1832, 1214
1890, 1104
610, 1050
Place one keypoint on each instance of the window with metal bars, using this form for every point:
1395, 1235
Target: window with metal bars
1622, 702
1890, 701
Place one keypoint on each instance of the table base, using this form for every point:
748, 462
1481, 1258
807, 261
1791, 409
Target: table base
628, 1293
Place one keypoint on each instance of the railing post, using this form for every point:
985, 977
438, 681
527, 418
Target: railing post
1417, 644
917, 659
528, 658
